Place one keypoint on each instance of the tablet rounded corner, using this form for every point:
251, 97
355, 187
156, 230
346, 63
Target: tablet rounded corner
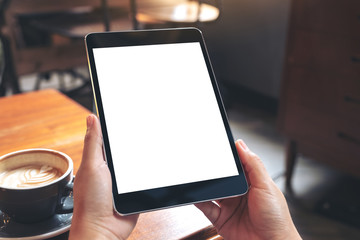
88, 35
117, 211
197, 30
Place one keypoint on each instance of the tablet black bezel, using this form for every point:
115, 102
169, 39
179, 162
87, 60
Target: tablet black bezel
140, 201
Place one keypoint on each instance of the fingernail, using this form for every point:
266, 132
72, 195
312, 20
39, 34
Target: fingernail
243, 145
89, 121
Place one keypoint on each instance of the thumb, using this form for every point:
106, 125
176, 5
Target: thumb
93, 143
254, 168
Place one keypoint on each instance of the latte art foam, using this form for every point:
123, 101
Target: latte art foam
29, 176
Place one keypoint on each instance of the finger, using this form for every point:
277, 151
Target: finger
210, 210
92, 152
253, 166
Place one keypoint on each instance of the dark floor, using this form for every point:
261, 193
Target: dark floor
325, 203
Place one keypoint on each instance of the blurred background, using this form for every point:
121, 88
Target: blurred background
288, 72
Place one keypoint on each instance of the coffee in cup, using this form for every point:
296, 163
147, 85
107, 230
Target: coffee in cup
28, 176
33, 183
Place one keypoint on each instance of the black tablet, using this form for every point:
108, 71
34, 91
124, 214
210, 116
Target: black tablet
167, 140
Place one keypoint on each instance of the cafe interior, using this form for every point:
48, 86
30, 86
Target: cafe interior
288, 73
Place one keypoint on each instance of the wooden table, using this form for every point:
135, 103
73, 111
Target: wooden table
48, 119
43, 119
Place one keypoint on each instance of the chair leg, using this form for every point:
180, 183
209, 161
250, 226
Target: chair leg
9, 76
133, 12
40, 77
291, 154
2, 86
2, 82
86, 83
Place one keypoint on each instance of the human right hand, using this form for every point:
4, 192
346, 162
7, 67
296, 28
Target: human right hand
260, 214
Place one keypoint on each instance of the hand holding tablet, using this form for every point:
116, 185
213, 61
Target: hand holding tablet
158, 87
260, 214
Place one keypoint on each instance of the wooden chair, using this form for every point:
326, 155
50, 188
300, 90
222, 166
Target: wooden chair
177, 13
46, 36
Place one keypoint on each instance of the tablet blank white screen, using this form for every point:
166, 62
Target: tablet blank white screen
163, 121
